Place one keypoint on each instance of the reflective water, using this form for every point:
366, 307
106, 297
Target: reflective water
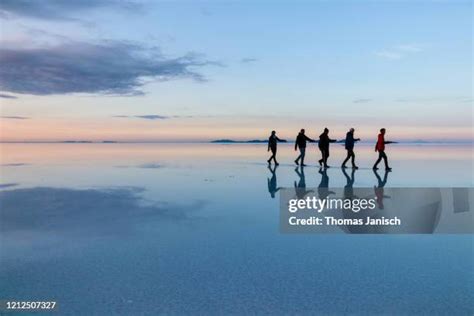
187, 229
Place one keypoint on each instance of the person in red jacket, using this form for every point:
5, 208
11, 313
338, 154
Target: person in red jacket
380, 147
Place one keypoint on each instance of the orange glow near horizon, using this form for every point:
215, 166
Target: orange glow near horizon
205, 129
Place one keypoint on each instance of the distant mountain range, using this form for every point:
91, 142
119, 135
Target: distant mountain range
87, 142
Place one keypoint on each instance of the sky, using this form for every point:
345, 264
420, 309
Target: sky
202, 70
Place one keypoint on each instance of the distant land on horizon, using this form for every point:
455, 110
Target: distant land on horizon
229, 141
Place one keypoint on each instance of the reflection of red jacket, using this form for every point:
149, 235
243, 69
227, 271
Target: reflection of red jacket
379, 195
380, 146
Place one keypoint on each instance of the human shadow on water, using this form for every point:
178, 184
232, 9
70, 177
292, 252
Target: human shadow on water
323, 187
272, 182
300, 188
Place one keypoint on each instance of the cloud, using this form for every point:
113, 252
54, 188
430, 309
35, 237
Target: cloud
399, 52
161, 117
60, 9
362, 100
152, 117
435, 99
146, 117
248, 60
83, 212
15, 117
7, 96
110, 68
205, 11
388, 54
150, 165
8, 185
409, 48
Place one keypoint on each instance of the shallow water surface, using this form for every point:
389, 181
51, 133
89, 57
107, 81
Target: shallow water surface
193, 228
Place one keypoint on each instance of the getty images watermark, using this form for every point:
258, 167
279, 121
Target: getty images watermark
377, 210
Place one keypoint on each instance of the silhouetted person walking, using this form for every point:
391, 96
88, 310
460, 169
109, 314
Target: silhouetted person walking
300, 143
323, 145
380, 147
272, 183
349, 144
272, 145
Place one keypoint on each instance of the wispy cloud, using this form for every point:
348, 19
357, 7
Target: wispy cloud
8, 185
435, 99
399, 52
16, 164
15, 117
146, 117
153, 117
362, 100
7, 96
32, 209
162, 117
248, 60
388, 54
60, 9
205, 11
151, 165
410, 48
111, 67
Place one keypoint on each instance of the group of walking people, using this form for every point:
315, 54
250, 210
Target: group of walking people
323, 144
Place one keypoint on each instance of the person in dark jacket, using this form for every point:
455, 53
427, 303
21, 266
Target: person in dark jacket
349, 144
272, 145
323, 145
380, 147
300, 144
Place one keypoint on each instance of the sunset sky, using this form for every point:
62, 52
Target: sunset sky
203, 70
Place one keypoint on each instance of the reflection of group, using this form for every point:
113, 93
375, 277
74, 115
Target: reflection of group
323, 187
323, 145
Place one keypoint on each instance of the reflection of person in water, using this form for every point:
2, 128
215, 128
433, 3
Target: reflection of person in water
323, 190
300, 188
272, 145
272, 183
300, 144
378, 190
349, 145
380, 147
348, 188
323, 145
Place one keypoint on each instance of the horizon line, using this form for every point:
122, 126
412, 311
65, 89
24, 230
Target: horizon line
214, 141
